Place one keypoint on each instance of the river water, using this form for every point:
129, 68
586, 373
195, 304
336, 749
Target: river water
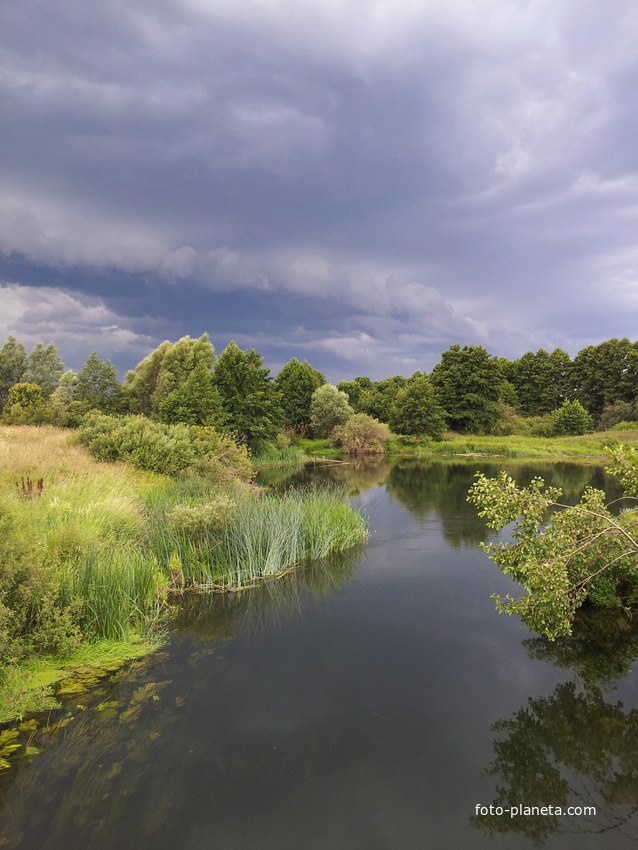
369, 702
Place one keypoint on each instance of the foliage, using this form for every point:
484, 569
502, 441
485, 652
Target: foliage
329, 407
164, 370
606, 373
44, 368
416, 410
509, 422
468, 381
195, 402
540, 380
360, 435
96, 385
167, 449
249, 399
296, 383
614, 414
13, 364
581, 552
572, 418
25, 406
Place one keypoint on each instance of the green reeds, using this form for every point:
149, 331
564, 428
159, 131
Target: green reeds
272, 456
264, 536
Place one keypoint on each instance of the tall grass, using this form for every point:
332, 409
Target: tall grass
262, 535
273, 456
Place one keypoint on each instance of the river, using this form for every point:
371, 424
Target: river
374, 701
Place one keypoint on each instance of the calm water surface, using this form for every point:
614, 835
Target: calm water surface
372, 701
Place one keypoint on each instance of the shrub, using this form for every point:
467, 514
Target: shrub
541, 426
510, 422
167, 449
572, 419
361, 434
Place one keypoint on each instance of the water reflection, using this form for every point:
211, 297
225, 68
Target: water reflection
573, 747
222, 616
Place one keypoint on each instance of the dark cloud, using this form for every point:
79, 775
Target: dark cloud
358, 184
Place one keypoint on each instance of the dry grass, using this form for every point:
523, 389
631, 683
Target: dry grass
51, 453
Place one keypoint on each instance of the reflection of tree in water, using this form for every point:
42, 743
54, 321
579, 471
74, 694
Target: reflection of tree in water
357, 475
441, 487
601, 649
572, 748
222, 616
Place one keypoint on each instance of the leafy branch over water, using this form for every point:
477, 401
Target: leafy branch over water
581, 553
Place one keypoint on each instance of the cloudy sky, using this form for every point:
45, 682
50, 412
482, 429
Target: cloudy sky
360, 183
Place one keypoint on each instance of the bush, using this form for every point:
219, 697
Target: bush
510, 422
361, 434
572, 419
166, 449
541, 426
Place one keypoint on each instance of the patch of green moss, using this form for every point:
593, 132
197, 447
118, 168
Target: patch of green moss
35, 685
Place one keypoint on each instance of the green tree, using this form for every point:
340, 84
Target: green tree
416, 410
44, 368
250, 401
13, 364
25, 406
329, 407
572, 418
540, 380
378, 402
196, 402
469, 381
296, 383
606, 373
164, 370
583, 552
96, 384
358, 391
619, 411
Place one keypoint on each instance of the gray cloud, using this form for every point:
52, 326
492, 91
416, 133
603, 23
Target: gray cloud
414, 174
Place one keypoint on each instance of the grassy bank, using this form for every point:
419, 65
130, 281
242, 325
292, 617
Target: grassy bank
588, 445
93, 551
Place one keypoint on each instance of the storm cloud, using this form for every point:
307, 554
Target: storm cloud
358, 184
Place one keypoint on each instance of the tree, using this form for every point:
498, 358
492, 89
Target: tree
613, 414
250, 401
329, 407
416, 410
582, 552
361, 435
296, 383
541, 380
468, 381
605, 373
572, 418
13, 364
44, 368
25, 406
358, 391
164, 370
96, 384
196, 402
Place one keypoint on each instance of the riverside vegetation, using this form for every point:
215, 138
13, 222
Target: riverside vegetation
94, 550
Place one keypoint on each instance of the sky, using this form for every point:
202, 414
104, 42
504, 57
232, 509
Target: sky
357, 183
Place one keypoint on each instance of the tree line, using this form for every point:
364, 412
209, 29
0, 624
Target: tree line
469, 391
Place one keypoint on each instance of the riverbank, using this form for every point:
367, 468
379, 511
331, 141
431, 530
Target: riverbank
92, 551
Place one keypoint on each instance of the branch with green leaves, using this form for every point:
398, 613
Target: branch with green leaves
563, 555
